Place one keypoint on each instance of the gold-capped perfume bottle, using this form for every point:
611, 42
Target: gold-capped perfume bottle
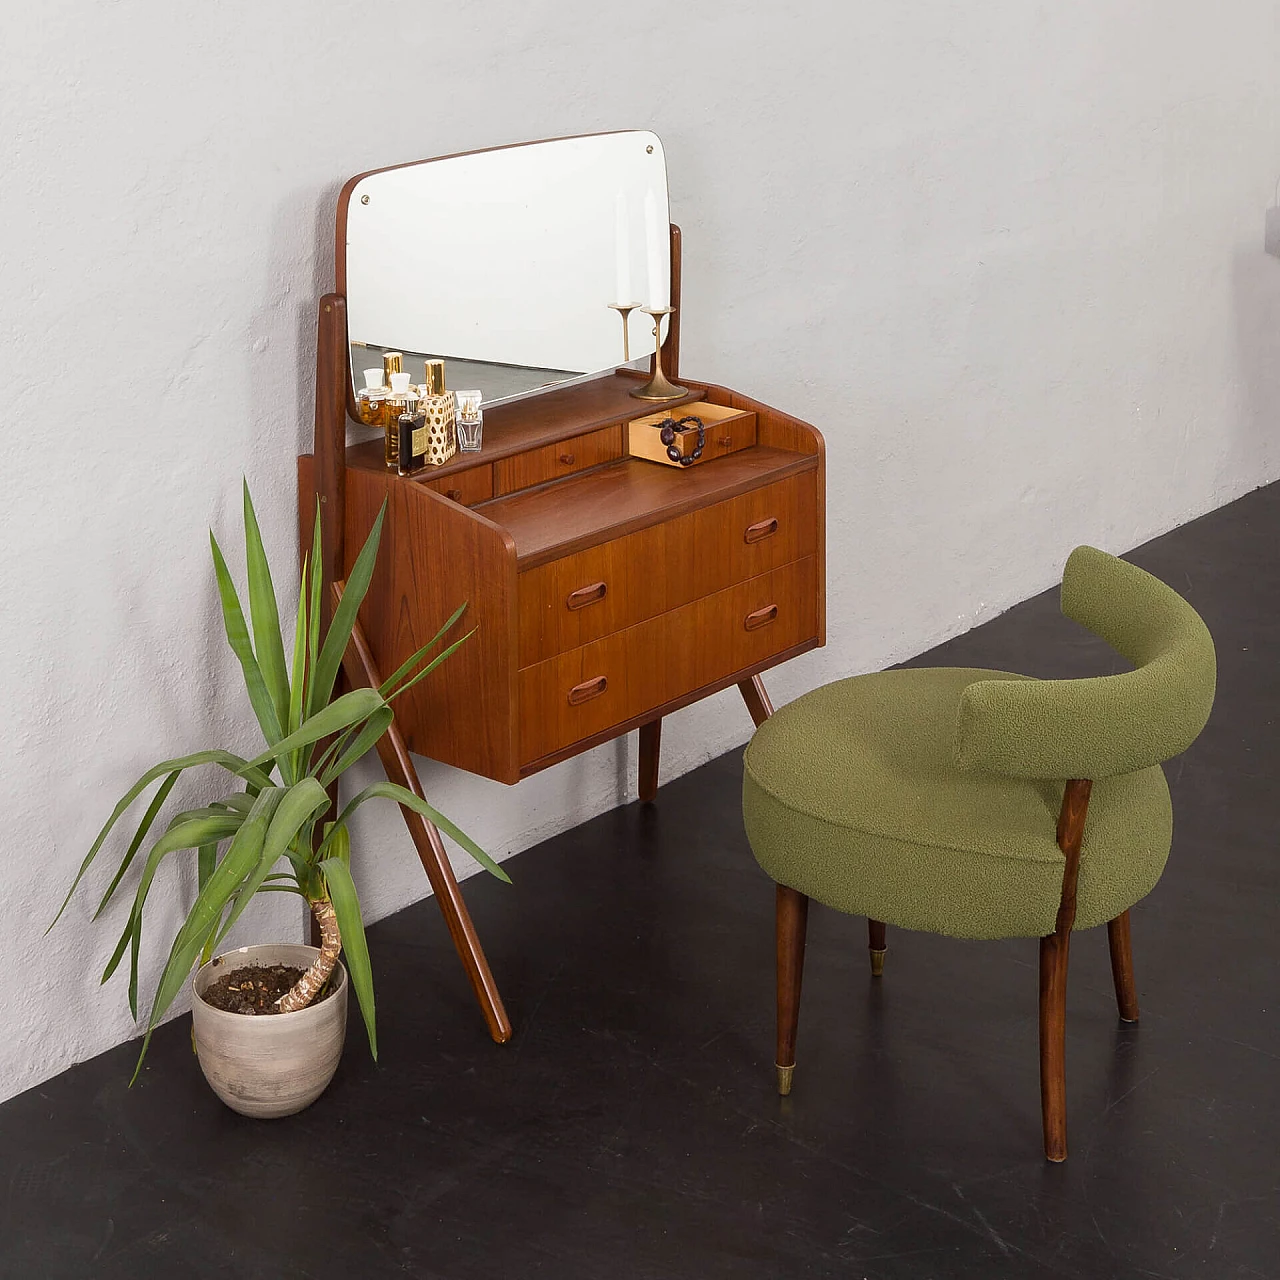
393, 406
438, 408
412, 437
370, 397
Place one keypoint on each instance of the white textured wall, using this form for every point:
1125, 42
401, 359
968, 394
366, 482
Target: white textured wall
1007, 256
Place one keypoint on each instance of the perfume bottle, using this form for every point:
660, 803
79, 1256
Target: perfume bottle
470, 421
412, 437
392, 362
393, 406
437, 405
370, 397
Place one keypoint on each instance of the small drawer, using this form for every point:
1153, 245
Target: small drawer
582, 693
728, 437
725, 431
554, 461
467, 487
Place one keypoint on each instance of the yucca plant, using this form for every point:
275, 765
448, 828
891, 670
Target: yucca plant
261, 837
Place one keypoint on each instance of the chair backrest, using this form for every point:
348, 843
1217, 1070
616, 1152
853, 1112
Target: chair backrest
1104, 725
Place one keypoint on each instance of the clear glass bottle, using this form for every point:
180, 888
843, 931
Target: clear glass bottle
470, 420
370, 397
393, 406
437, 405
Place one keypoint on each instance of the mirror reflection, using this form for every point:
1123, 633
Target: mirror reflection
510, 264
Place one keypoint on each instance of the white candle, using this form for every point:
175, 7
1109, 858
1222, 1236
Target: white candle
656, 242
622, 250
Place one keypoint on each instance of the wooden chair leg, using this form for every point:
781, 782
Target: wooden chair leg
1122, 966
757, 699
876, 945
1053, 1043
650, 750
792, 917
361, 670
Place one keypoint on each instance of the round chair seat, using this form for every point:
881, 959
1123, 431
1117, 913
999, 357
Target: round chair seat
851, 795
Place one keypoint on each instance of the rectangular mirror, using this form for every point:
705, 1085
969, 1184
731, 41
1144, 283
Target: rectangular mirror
505, 262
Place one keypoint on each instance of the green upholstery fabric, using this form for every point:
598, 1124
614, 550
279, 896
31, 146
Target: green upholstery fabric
890, 796
1106, 725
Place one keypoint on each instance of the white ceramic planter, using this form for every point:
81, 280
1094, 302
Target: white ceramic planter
275, 1065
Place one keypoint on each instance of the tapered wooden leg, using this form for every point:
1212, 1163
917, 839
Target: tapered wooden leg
792, 917
362, 671
757, 700
1053, 1043
650, 750
1122, 967
876, 945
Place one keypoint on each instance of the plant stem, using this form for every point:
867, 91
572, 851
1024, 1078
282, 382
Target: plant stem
305, 990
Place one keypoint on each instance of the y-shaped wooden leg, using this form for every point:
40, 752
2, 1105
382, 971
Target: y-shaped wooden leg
650, 750
362, 671
757, 700
1122, 967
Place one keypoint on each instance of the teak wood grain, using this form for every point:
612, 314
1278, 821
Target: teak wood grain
746, 678
467, 487
578, 694
555, 461
568, 602
622, 497
436, 555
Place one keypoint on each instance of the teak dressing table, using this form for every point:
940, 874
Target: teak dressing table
605, 591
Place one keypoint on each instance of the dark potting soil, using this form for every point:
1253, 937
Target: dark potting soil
254, 989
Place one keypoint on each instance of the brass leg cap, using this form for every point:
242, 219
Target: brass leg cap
877, 961
784, 1079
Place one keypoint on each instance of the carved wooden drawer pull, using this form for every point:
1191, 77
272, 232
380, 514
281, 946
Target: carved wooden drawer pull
454, 494
725, 441
760, 530
754, 621
567, 459
587, 690
586, 595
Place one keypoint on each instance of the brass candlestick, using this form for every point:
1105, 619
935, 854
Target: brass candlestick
658, 387
624, 309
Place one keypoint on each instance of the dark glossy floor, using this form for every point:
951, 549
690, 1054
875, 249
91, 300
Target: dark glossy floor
631, 1128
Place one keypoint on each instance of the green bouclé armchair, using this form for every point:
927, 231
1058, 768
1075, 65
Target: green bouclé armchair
983, 804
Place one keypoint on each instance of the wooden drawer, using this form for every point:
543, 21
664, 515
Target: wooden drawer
554, 461
729, 437
567, 603
466, 487
584, 692
725, 431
